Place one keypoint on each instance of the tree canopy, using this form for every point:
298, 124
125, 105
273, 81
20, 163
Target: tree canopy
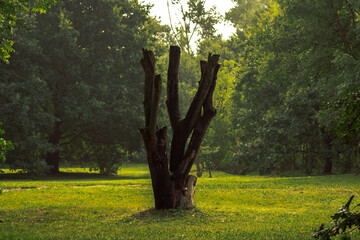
70, 89
288, 95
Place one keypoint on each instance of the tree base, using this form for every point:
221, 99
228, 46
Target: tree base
189, 193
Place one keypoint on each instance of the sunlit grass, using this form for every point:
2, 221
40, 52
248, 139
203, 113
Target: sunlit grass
117, 207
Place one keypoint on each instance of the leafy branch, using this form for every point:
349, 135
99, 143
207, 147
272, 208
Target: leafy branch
194, 19
344, 222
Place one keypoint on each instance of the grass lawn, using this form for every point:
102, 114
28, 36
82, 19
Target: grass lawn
87, 206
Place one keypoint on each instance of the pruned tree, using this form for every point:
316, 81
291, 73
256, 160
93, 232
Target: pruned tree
172, 185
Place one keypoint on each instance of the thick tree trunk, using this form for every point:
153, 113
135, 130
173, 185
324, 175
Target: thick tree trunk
327, 166
174, 187
158, 165
53, 158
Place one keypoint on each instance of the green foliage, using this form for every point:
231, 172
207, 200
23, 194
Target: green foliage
287, 96
11, 14
296, 98
106, 159
245, 13
73, 84
5, 146
193, 19
345, 221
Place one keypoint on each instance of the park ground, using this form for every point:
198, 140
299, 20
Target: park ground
79, 205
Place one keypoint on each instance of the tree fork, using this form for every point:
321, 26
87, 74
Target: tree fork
174, 187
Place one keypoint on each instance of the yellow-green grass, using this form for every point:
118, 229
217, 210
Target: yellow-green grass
227, 207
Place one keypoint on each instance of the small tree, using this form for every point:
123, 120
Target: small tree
173, 187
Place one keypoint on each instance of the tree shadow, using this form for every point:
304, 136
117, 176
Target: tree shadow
69, 176
154, 214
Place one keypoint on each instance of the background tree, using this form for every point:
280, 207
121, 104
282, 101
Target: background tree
245, 12
11, 14
75, 91
194, 19
289, 73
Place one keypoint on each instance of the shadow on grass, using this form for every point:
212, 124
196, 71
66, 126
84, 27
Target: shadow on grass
68, 176
154, 214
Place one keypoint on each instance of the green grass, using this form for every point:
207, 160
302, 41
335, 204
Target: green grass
88, 206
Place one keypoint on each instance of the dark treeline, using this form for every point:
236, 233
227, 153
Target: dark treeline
287, 95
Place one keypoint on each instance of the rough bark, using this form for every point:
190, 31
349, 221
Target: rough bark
154, 138
174, 187
190, 187
172, 102
197, 124
158, 165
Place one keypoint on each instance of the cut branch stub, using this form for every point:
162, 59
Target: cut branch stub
148, 64
155, 138
155, 105
172, 102
199, 129
186, 126
204, 86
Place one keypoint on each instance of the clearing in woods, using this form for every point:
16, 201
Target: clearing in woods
90, 206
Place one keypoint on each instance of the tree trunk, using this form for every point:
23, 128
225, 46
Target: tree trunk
158, 165
347, 163
174, 187
190, 187
292, 164
198, 167
327, 165
235, 169
357, 160
327, 142
53, 158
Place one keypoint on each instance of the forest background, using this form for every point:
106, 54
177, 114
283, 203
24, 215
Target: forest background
287, 96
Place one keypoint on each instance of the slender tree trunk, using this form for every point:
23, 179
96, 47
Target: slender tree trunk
348, 161
235, 169
292, 163
174, 187
158, 165
357, 160
327, 142
327, 165
198, 167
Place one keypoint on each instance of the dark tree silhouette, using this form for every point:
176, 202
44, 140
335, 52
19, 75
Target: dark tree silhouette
172, 185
